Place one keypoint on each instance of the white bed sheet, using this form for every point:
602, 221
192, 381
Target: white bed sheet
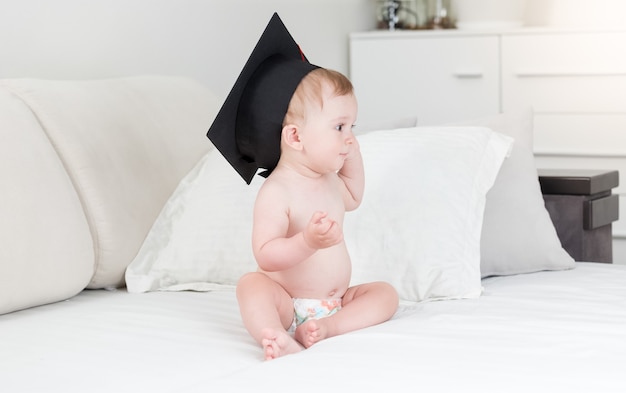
563, 331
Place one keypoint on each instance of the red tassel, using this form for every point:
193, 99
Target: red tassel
301, 53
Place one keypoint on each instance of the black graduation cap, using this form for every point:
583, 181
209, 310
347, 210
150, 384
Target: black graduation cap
248, 126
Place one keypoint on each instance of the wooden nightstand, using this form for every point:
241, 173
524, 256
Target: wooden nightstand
582, 208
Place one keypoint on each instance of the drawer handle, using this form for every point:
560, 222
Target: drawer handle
600, 212
553, 74
468, 74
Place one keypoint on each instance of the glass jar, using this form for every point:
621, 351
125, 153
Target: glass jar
439, 14
414, 14
398, 14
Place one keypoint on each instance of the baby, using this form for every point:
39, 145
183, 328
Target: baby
297, 236
295, 119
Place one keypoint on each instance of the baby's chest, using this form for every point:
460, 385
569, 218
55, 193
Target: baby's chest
309, 202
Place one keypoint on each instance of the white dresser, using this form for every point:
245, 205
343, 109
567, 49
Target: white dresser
575, 80
438, 76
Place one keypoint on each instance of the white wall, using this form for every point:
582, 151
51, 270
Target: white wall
209, 40
205, 39
577, 13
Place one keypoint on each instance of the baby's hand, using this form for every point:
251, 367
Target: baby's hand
322, 232
353, 148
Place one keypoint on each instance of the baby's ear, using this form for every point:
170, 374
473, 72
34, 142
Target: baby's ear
291, 136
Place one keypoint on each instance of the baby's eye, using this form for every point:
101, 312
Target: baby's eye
339, 127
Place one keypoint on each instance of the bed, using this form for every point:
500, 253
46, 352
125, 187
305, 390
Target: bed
539, 332
452, 216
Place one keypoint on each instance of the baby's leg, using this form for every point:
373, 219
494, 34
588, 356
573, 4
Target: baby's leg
363, 305
266, 308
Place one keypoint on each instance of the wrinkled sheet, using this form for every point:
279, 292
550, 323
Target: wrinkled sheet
563, 331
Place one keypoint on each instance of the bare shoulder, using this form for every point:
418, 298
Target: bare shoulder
271, 212
272, 193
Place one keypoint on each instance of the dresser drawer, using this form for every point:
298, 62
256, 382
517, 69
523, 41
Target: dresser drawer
599, 134
438, 77
568, 72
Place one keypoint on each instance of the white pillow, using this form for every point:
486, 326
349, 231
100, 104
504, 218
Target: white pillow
418, 227
401, 122
518, 235
202, 237
419, 224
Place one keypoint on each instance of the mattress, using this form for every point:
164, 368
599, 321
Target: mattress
546, 331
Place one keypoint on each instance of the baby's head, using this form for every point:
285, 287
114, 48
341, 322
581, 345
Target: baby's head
309, 93
274, 85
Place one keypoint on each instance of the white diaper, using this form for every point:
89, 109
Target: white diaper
305, 309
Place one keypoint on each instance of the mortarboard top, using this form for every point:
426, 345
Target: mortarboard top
247, 128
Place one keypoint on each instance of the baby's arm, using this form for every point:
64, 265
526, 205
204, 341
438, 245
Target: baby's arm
353, 176
273, 249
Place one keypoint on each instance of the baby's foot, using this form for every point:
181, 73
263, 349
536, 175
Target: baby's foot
310, 332
277, 343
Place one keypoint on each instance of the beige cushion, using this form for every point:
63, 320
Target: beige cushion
125, 144
46, 251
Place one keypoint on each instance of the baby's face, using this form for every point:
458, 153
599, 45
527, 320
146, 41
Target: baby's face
327, 134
